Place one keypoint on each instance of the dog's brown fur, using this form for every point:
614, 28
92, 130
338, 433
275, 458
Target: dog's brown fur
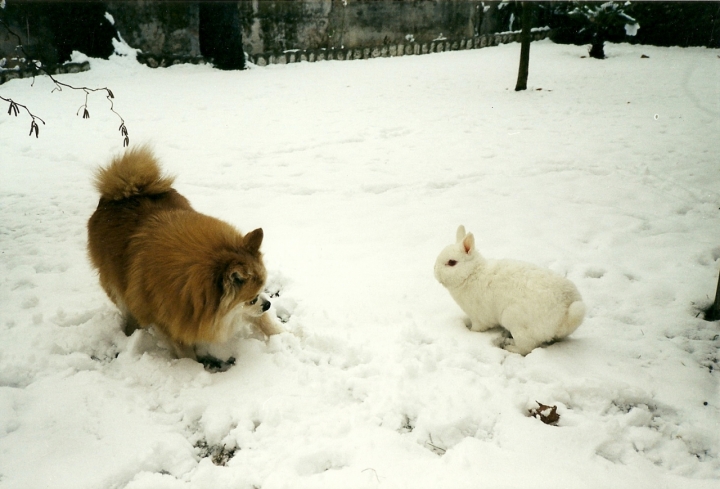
163, 263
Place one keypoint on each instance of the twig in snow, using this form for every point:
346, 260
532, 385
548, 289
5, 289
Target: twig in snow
377, 477
434, 447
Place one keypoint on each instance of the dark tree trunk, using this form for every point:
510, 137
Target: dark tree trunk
713, 312
524, 46
221, 34
597, 47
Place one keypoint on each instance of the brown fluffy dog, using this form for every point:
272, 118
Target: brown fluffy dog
163, 263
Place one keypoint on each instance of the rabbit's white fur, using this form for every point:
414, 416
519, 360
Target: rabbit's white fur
534, 304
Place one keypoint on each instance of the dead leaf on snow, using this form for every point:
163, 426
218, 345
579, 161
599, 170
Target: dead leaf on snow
547, 414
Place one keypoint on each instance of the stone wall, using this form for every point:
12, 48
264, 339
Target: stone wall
39, 37
391, 50
50, 31
276, 26
159, 29
170, 32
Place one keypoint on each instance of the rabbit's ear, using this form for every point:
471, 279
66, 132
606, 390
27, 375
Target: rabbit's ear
469, 242
460, 233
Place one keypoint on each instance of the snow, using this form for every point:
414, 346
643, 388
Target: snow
359, 173
631, 29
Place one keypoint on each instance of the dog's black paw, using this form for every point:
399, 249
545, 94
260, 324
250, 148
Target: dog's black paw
214, 365
218, 454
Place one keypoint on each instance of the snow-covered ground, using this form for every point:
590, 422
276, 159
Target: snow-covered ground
359, 173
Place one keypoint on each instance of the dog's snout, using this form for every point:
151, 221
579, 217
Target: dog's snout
265, 306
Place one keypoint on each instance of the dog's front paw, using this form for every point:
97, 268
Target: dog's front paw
521, 348
269, 325
213, 364
479, 327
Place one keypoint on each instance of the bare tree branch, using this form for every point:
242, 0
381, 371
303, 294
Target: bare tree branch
37, 67
14, 109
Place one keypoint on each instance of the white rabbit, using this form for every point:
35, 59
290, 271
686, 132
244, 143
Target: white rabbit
534, 304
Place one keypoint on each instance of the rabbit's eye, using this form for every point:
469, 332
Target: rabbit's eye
451, 263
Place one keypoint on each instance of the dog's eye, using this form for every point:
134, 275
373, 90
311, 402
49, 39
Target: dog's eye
252, 302
451, 263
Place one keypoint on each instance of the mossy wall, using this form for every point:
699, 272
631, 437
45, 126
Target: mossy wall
275, 26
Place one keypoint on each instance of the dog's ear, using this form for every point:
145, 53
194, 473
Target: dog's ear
253, 240
236, 279
469, 242
460, 235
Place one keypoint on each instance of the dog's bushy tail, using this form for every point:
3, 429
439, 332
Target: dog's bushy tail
575, 316
136, 172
